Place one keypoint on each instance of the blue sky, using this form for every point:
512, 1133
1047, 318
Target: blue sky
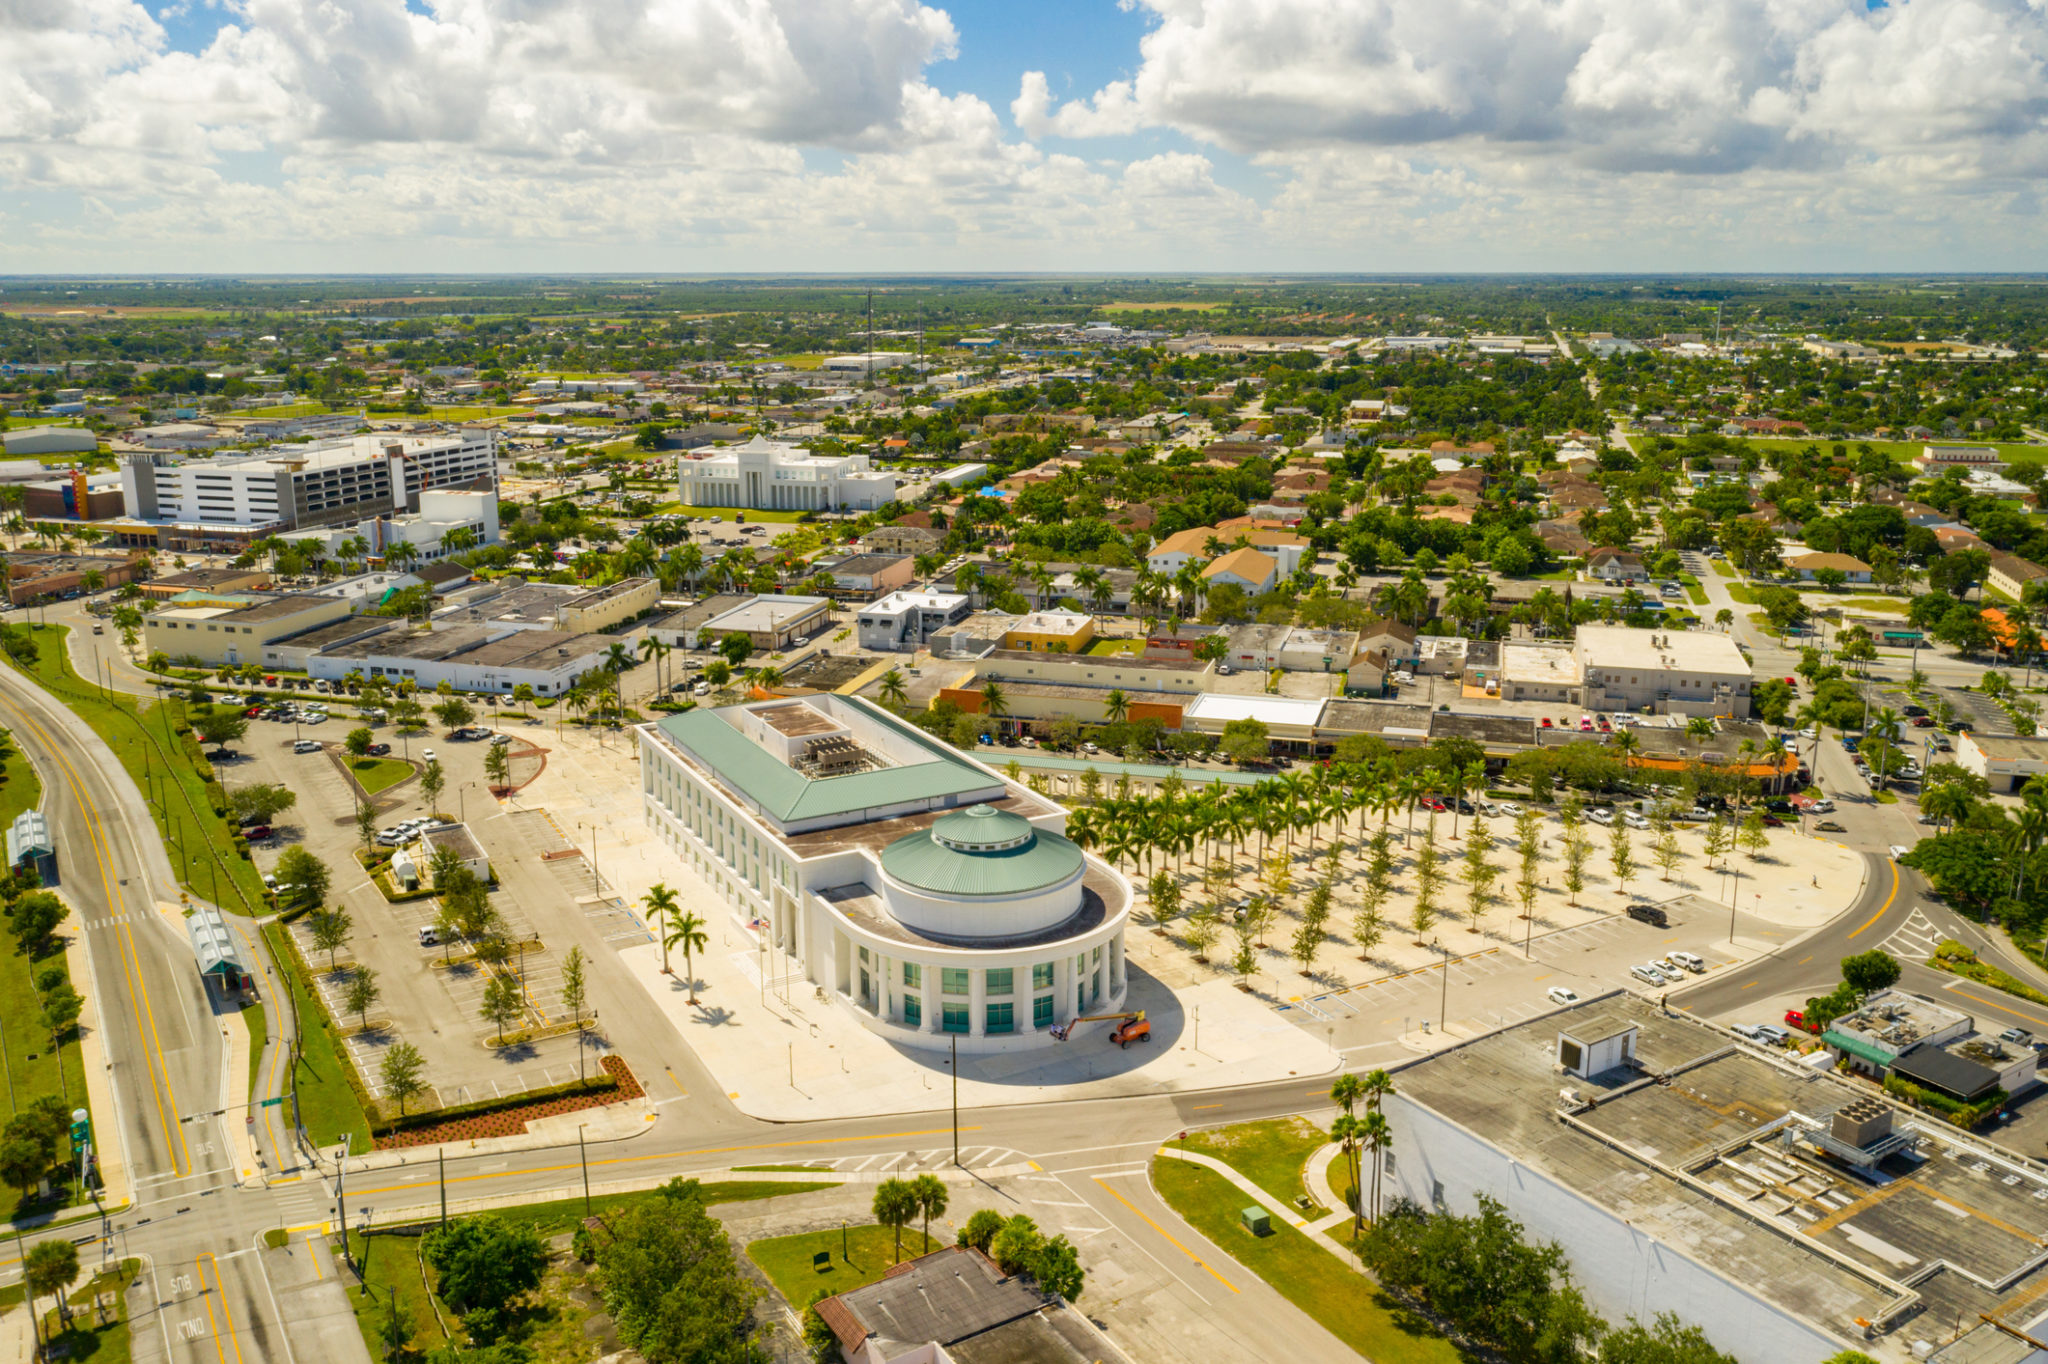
1168, 135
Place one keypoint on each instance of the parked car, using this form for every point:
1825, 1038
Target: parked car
1602, 817
1796, 1018
1913, 712
1773, 1034
1690, 961
1749, 1031
1510, 809
257, 832
1634, 820
305, 746
379, 750
2019, 1036
1829, 826
426, 755
1649, 974
1898, 850
1649, 914
429, 936
1562, 994
500, 740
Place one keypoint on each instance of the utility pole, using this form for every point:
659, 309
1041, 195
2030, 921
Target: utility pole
583, 1156
348, 1141
956, 1100
442, 1152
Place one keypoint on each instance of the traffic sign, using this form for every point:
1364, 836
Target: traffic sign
273, 1102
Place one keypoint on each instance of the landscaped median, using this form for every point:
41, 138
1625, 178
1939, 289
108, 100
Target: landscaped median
1344, 1302
149, 744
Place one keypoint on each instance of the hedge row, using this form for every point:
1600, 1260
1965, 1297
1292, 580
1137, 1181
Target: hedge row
1966, 1116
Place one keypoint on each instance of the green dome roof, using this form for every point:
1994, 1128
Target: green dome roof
982, 851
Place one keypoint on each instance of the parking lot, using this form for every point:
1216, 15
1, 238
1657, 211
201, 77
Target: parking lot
1504, 983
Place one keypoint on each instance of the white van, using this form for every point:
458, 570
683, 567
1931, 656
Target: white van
1694, 964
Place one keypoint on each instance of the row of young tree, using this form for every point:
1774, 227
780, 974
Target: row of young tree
1221, 829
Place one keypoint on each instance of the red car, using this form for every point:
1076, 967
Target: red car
1546, 722
252, 712
259, 831
1794, 1018
1433, 803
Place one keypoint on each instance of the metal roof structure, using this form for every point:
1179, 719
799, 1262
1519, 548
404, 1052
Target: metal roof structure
789, 796
982, 851
29, 834
213, 945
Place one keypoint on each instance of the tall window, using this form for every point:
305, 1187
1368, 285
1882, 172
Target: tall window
953, 1018
913, 1011
1041, 976
1041, 1012
913, 976
1002, 1018
953, 980
999, 979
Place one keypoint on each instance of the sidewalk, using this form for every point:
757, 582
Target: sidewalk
116, 1191
1291, 1216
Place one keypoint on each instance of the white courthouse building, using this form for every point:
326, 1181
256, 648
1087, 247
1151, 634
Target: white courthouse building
766, 475
932, 897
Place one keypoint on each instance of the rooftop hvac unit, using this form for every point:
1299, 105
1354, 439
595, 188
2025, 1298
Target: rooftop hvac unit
1862, 1123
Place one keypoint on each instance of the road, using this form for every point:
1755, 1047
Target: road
212, 1293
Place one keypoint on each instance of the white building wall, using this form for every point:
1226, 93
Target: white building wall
1622, 1270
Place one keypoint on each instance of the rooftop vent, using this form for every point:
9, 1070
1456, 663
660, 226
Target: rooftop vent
1862, 1123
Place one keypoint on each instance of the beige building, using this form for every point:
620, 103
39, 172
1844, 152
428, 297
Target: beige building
1540, 672
597, 611
222, 635
1662, 672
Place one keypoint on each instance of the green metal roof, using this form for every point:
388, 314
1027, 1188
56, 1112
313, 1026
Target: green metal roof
1042, 859
791, 797
1856, 1047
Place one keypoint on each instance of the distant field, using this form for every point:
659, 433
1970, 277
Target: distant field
1161, 307
1906, 450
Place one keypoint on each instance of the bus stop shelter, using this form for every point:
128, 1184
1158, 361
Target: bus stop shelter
214, 947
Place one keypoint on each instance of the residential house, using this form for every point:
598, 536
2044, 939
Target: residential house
1808, 565
1616, 566
1247, 568
1953, 539
954, 1306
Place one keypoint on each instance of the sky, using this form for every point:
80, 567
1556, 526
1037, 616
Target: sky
1127, 136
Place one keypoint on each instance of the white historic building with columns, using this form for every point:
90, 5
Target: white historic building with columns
934, 898
768, 475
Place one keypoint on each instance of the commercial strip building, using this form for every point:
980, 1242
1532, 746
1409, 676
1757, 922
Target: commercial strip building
35, 577
1792, 1213
447, 522
925, 892
2005, 761
219, 636
772, 621
511, 603
770, 475
1931, 1045
469, 658
1662, 672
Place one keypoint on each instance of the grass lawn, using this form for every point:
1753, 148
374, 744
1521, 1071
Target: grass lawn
1696, 594
259, 1036
1344, 1302
732, 514
30, 1068
197, 840
395, 1265
1721, 567
1271, 1154
392, 1264
100, 1344
1116, 648
563, 1214
379, 774
1906, 450
869, 1251
327, 1105
20, 788
1743, 593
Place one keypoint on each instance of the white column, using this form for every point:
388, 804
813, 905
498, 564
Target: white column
1063, 1011
933, 1014
977, 1001
1116, 965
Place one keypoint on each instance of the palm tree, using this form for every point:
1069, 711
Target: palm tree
1700, 727
1117, 705
661, 903
653, 648
893, 692
687, 933
1376, 1137
1347, 1131
1627, 745
930, 1192
994, 704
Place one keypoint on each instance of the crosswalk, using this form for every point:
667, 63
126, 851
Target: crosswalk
1915, 939
910, 1162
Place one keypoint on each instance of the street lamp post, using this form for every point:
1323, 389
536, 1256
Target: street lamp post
1444, 1008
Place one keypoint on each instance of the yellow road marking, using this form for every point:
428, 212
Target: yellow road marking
226, 1312
674, 1155
1167, 1234
1886, 906
131, 968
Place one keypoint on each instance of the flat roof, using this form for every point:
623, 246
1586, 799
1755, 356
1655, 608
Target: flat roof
768, 613
1049, 623
920, 601
1659, 650
1374, 717
1547, 663
536, 649
864, 564
1222, 708
279, 607
1516, 731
